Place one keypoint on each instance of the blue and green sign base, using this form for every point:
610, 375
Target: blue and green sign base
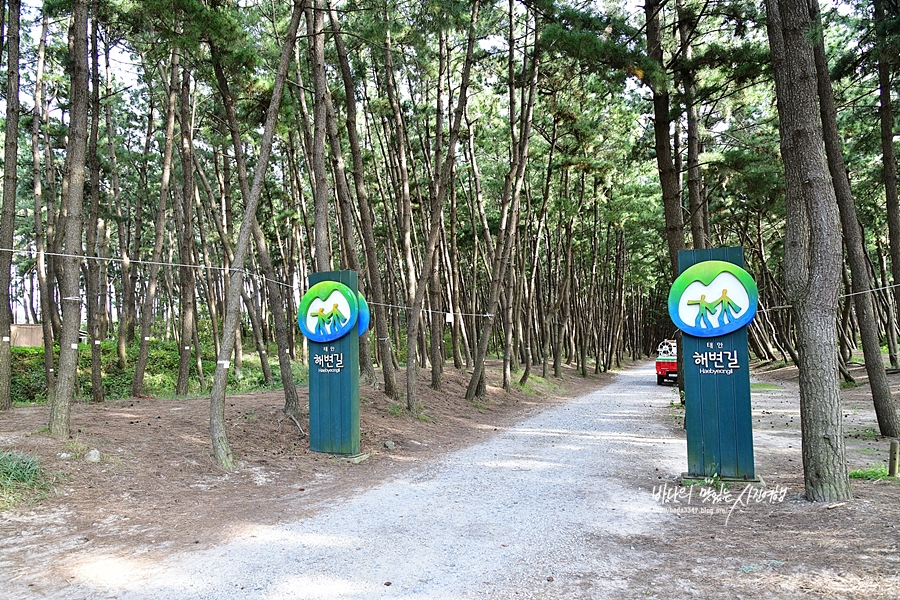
712, 301
332, 315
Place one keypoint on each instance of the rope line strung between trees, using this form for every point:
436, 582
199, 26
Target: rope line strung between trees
113, 259
869, 291
264, 278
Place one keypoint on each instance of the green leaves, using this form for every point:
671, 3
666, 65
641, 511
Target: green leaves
599, 43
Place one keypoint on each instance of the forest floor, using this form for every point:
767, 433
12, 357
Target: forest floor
156, 492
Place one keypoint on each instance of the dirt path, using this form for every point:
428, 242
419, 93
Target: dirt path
544, 509
579, 500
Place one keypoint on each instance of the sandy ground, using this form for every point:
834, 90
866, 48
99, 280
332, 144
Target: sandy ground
155, 499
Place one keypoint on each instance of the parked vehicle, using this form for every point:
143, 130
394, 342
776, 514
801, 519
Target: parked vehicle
667, 362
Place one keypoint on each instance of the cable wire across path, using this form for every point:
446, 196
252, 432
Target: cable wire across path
543, 510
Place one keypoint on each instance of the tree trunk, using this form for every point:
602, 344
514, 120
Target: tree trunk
812, 250
282, 339
125, 332
668, 175
890, 315
863, 298
256, 324
687, 24
376, 286
39, 238
218, 433
292, 407
367, 370
54, 232
140, 366
8, 216
436, 316
315, 16
888, 160
93, 226
404, 202
520, 133
187, 286
441, 184
531, 290
71, 223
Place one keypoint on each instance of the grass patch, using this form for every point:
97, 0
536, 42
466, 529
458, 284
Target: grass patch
76, 449
21, 479
400, 410
764, 387
873, 473
867, 433
537, 385
675, 416
423, 416
714, 482
774, 365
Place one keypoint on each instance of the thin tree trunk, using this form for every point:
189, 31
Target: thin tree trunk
442, 181
367, 370
8, 216
209, 209
140, 366
256, 323
125, 332
531, 304
218, 433
863, 299
687, 23
93, 225
404, 202
315, 14
888, 160
39, 238
292, 407
71, 223
186, 272
520, 133
54, 232
890, 315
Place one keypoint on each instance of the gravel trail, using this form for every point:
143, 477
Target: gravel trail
546, 509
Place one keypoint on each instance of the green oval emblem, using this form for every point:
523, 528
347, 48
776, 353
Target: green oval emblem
713, 298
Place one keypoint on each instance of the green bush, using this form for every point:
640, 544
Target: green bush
18, 468
29, 384
873, 473
21, 477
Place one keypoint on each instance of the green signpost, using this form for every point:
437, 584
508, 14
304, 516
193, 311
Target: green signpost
712, 301
332, 314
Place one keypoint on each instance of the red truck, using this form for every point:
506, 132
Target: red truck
667, 362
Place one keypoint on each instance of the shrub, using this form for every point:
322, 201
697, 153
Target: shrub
21, 477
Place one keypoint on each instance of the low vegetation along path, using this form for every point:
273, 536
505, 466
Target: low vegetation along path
543, 510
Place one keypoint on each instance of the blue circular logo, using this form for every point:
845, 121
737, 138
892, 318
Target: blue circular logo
328, 311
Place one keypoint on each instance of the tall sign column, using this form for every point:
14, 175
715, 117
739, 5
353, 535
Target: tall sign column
712, 301
332, 314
